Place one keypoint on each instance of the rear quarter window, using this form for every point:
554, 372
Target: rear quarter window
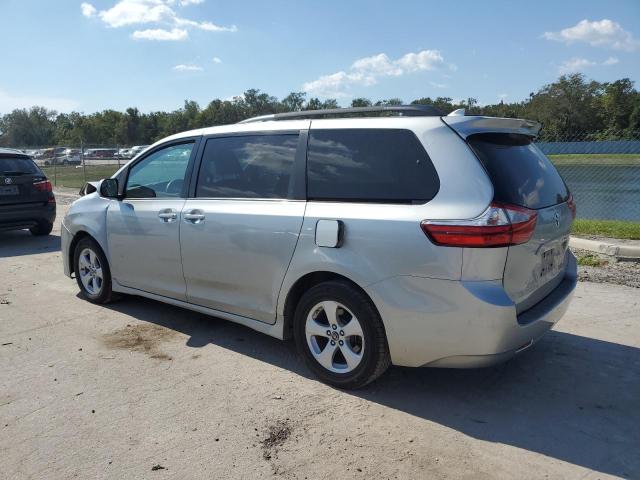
369, 165
521, 174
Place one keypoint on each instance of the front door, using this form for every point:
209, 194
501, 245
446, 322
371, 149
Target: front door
143, 230
239, 232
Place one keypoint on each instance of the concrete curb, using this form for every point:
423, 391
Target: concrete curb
606, 248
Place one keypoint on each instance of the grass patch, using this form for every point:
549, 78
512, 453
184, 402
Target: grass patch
607, 228
591, 261
70, 176
612, 159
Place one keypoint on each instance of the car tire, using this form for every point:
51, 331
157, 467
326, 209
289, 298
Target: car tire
92, 272
359, 353
42, 229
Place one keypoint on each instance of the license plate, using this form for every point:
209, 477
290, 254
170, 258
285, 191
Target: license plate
547, 262
9, 190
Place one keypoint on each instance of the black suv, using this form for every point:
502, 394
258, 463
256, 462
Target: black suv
26, 196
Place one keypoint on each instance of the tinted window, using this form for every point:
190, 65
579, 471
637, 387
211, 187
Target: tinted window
380, 165
255, 166
161, 174
520, 172
18, 165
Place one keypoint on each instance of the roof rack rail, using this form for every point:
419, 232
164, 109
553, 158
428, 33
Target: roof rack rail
402, 110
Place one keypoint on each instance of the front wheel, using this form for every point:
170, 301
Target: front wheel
340, 335
92, 272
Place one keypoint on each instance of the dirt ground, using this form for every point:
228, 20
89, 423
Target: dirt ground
143, 390
607, 269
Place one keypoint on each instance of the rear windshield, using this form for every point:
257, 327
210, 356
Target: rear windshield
520, 172
369, 165
17, 165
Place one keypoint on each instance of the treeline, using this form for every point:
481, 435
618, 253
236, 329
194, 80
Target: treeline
569, 107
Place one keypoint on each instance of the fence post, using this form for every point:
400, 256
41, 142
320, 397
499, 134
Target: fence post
84, 165
55, 168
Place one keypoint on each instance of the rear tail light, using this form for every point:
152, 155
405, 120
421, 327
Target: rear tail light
43, 186
572, 205
500, 225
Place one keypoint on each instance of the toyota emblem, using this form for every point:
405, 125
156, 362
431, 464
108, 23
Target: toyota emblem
8, 180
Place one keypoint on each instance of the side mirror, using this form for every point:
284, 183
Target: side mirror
109, 188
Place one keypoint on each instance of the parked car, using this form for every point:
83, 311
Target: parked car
72, 156
95, 153
26, 195
47, 155
414, 240
133, 151
123, 153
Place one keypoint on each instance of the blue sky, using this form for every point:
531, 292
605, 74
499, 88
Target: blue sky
154, 54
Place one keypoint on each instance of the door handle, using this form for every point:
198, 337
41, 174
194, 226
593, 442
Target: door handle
193, 216
167, 215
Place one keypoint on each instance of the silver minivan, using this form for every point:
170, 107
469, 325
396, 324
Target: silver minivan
375, 236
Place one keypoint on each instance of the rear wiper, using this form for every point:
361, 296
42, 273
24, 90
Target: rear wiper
14, 172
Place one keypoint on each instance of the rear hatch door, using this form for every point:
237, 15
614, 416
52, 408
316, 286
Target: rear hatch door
522, 175
18, 174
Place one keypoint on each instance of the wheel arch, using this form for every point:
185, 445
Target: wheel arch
302, 285
74, 242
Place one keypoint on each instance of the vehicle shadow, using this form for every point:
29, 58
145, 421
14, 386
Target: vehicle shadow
571, 398
20, 242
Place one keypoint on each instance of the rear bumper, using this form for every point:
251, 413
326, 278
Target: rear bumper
458, 324
19, 216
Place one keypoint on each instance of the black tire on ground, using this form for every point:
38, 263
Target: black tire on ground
105, 295
42, 229
376, 358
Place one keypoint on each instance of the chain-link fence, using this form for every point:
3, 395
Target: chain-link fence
73, 166
602, 171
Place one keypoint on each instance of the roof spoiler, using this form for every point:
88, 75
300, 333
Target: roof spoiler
466, 126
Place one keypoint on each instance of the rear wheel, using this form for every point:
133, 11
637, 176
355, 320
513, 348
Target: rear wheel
340, 335
42, 229
92, 272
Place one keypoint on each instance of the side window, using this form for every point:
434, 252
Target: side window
252, 166
161, 174
369, 165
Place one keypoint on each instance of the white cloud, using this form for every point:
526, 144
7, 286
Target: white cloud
160, 13
575, 64
208, 26
578, 64
366, 71
9, 102
188, 68
438, 85
603, 33
132, 12
87, 9
216, 60
159, 34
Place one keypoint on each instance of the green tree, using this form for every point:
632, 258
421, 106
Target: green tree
360, 102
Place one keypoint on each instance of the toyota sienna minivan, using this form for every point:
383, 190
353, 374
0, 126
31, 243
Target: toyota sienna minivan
375, 236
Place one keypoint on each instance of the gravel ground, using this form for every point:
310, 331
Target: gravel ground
142, 390
610, 271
